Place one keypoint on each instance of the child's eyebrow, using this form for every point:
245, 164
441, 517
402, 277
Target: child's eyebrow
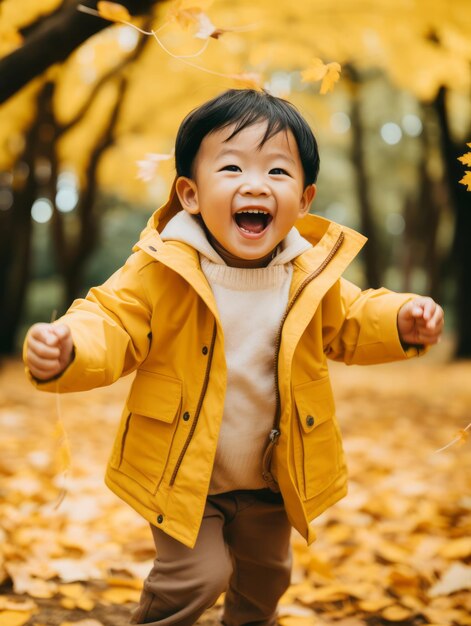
274, 155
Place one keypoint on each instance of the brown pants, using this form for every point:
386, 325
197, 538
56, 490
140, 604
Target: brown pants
243, 548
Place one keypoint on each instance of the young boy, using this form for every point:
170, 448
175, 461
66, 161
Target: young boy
227, 310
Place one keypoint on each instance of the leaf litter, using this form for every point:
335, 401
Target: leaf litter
397, 550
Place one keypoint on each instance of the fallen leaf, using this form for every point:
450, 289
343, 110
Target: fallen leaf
83, 622
457, 577
14, 605
456, 548
14, 618
396, 613
121, 595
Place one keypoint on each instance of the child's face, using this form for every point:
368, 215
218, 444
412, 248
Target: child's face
249, 197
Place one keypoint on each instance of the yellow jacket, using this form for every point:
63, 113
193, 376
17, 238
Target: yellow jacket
157, 315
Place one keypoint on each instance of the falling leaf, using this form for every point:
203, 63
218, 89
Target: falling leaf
147, 168
329, 74
113, 11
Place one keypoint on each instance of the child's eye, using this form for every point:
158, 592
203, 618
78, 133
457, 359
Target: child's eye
278, 170
230, 168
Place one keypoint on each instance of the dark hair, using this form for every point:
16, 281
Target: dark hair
245, 107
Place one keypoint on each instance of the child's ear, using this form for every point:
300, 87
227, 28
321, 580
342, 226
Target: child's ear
308, 196
187, 192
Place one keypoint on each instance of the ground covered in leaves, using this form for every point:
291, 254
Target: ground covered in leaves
396, 551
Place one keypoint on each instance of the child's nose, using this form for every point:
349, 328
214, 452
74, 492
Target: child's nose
254, 186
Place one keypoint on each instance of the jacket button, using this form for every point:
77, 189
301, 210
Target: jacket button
205, 350
160, 519
309, 420
186, 416
152, 248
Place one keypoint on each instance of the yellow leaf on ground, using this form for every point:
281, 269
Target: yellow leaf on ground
132, 583
373, 606
113, 11
456, 548
396, 613
291, 620
85, 603
457, 577
14, 618
74, 590
83, 622
121, 595
10, 605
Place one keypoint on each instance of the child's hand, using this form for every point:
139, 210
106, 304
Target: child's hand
49, 350
420, 321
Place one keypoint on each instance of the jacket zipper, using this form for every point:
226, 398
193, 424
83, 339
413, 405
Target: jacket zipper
275, 431
198, 408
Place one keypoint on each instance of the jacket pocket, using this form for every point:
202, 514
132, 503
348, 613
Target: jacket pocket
318, 437
153, 404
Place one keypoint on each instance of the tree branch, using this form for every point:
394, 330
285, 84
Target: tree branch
55, 38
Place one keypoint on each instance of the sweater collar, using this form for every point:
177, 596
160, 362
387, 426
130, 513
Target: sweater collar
187, 229
319, 232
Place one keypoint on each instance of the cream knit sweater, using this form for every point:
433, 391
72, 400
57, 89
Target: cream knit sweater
251, 304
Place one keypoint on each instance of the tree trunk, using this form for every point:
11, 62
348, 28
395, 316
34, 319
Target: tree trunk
372, 260
15, 240
461, 248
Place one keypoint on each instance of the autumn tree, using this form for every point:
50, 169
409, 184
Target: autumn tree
422, 47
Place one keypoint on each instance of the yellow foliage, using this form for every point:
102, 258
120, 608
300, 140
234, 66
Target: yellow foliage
10, 39
20, 13
466, 180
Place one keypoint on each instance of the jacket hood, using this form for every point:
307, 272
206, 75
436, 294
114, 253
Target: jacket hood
311, 227
188, 229
320, 232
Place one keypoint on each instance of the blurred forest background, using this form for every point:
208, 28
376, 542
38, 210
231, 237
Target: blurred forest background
83, 99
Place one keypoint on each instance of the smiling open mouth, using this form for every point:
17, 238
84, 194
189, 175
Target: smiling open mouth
252, 220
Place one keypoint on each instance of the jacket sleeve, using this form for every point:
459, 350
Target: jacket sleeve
360, 327
110, 331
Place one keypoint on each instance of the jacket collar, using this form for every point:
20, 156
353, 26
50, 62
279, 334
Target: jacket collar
319, 231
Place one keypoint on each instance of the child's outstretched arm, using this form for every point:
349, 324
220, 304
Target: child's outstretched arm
420, 321
377, 325
49, 350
